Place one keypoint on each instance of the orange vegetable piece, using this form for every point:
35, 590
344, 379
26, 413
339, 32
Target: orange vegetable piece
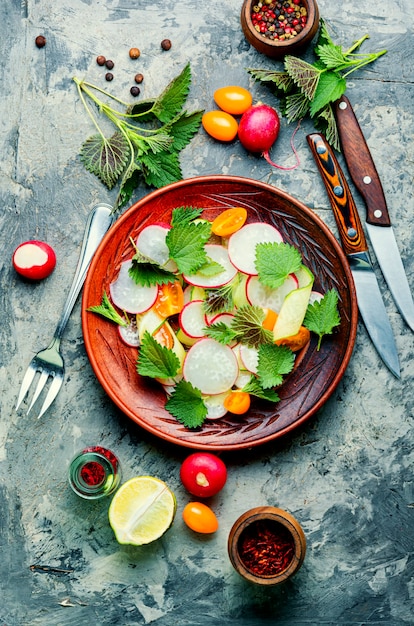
164, 336
200, 518
270, 319
220, 125
295, 342
237, 402
170, 299
229, 221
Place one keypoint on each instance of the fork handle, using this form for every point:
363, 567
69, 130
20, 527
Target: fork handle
99, 221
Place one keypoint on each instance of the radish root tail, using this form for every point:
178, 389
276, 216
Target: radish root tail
266, 154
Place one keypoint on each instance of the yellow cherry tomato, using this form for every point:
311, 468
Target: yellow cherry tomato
200, 518
229, 221
234, 100
295, 342
220, 125
170, 299
237, 402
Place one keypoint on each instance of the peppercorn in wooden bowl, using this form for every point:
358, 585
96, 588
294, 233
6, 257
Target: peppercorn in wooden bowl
266, 545
279, 28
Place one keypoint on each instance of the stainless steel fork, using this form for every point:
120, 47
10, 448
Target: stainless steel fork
49, 362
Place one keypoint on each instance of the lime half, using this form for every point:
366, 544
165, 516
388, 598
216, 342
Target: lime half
142, 510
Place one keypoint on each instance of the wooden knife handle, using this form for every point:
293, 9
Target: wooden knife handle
343, 205
360, 163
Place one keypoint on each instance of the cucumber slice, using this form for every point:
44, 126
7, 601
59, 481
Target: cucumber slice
294, 307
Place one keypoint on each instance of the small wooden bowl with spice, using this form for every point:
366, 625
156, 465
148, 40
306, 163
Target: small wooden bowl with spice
279, 28
266, 545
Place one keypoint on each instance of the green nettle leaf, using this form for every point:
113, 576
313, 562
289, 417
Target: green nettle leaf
275, 261
186, 245
255, 389
247, 326
161, 169
323, 316
274, 363
221, 332
282, 80
184, 127
106, 158
305, 75
296, 106
326, 122
331, 87
184, 215
219, 300
173, 98
106, 309
147, 274
155, 360
186, 405
331, 55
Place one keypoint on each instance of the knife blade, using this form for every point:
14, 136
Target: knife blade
366, 179
370, 303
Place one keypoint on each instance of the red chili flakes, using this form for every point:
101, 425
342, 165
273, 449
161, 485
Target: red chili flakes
266, 548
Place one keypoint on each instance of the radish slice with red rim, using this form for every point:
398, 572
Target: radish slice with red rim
220, 255
211, 367
215, 406
242, 244
129, 334
249, 358
151, 242
259, 294
193, 320
129, 296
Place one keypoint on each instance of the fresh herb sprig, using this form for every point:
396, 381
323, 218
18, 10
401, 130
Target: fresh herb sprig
311, 88
323, 316
147, 140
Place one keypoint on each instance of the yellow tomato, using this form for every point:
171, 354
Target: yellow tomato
234, 100
220, 125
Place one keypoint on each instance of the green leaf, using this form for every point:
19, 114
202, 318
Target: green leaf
186, 245
172, 99
221, 332
155, 360
296, 106
324, 38
305, 75
142, 110
219, 300
275, 261
106, 158
254, 388
282, 80
184, 127
129, 182
247, 325
184, 215
331, 87
186, 405
331, 55
146, 273
323, 316
326, 122
210, 268
106, 309
274, 362
161, 169
156, 143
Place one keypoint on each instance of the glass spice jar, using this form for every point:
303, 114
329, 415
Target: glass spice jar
266, 545
94, 473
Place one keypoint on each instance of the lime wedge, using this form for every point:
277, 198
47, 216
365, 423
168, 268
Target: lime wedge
294, 306
142, 510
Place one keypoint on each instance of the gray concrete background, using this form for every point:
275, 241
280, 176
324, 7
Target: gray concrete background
347, 475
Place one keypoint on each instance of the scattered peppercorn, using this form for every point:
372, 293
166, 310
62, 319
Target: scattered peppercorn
134, 53
40, 41
139, 78
109, 76
100, 60
166, 44
109, 64
135, 91
279, 21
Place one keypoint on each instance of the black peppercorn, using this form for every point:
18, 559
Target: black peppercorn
139, 78
109, 64
100, 60
109, 76
135, 91
166, 44
40, 41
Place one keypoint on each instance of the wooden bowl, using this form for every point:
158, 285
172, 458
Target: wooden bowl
307, 387
248, 548
274, 48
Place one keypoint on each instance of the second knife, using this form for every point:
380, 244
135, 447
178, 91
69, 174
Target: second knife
370, 302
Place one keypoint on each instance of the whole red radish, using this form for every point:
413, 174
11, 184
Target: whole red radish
203, 474
34, 259
258, 130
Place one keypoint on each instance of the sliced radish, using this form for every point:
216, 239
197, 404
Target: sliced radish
129, 296
223, 318
242, 379
267, 298
193, 320
242, 244
151, 242
220, 255
250, 358
129, 334
210, 367
315, 296
215, 406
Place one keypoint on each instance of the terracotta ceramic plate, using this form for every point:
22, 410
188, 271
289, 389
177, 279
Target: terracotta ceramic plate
306, 389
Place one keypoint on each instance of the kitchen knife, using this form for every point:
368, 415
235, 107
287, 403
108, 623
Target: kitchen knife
370, 302
365, 176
